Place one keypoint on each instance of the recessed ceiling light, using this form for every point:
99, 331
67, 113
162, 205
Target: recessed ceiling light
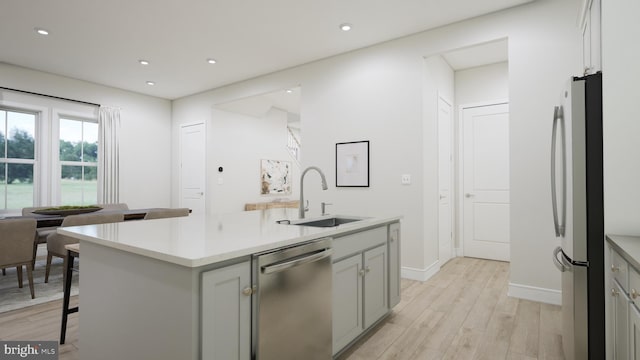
288, 91
41, 31
150, 83
345, 27
144, 62
211, 61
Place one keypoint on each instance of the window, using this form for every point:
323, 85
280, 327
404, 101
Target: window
17, 158
78, 162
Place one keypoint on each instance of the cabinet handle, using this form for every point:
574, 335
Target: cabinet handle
614, 268
634, 293
367, 269
614, 292
361, 272
248, 291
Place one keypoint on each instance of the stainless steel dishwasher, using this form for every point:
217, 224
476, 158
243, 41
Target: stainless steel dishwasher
292, 309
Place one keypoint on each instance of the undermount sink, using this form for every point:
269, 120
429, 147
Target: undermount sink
325, 222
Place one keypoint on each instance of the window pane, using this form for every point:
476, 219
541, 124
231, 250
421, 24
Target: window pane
76, 191
70, 140
90, 137
21, 135
3, 185
3, 124
19, 186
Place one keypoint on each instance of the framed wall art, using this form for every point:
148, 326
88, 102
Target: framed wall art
275, 177
352, 164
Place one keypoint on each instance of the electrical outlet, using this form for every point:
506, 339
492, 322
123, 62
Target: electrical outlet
406, 179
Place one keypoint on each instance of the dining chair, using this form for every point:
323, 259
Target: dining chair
166, 213
114, 206
42, 233
56, 242
16, 244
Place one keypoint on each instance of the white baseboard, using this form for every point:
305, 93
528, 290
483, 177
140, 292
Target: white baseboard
420, 274
548, 296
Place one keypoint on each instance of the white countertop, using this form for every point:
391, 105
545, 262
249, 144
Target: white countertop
199, 240
628, 247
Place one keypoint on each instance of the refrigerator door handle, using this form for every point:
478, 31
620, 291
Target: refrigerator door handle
559, 264
563, 134
554, 196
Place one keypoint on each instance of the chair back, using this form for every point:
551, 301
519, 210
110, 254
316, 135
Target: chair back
166, 213
16, 240
114, 206
93, 218
28, 211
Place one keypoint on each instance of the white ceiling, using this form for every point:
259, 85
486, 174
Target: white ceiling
102, 41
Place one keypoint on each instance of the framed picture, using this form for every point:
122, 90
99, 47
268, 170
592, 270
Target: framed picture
275, 177
352, 164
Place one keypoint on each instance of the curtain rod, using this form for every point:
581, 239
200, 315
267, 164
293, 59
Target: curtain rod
50, 96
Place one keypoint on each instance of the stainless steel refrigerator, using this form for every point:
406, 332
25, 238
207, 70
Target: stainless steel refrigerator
578, 215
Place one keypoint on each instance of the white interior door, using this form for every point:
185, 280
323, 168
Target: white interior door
486, 182
445, 234
192, 167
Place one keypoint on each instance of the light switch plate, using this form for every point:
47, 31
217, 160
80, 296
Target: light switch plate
406, 179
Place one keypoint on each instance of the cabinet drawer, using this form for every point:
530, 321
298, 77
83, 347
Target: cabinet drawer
620, 270
358, 242
634, 285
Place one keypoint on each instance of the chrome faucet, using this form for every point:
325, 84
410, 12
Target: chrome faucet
302, 208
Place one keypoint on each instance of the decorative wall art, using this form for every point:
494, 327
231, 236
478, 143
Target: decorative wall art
352, 164
275, 177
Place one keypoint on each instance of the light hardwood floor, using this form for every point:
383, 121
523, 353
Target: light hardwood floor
463, 312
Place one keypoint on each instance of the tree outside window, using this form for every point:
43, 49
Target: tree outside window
79, 162
17, 159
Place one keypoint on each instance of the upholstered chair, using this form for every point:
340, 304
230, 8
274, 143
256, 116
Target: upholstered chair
166, 213
56, 242
114, 206
42, 232
16, 245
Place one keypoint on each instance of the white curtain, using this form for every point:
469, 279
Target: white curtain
109, 155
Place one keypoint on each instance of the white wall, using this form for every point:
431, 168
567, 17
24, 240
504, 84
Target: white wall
376, 94
237, 143
621, 76
145, 172
482, 84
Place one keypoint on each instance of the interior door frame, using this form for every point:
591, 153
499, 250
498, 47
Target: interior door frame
460, 161
204, 181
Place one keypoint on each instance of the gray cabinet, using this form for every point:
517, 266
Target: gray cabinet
226, 313
366, 281
634, 333
376, 296
620, 317
394, 264
347, 301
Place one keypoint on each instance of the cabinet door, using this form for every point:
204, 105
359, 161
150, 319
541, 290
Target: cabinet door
347, 301
394, 264
226, 313
375, 285
634, 333
620, 311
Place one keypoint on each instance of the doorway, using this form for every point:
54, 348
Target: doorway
485, 181
192, 167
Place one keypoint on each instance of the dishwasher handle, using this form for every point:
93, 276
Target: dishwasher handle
269, 269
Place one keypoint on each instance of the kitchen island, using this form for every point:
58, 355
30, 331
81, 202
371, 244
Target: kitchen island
181, 288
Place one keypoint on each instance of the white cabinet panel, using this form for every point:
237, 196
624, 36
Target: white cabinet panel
634, 333
620, 315
394, 264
